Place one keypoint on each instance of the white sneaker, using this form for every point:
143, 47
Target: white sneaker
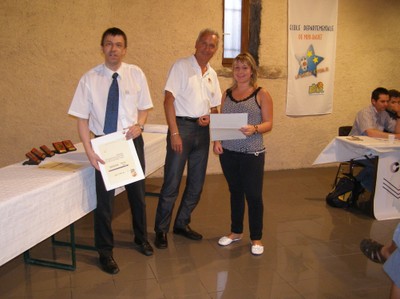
257, 249
224, 241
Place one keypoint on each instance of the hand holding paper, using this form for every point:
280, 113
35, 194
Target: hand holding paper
122, 165
226, 126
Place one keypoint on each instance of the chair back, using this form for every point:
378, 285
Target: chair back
344, 130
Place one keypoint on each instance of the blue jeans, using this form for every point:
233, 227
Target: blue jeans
196, 144
392, 264
244, 174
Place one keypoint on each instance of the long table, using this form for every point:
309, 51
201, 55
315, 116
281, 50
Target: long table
36, 203
386, 201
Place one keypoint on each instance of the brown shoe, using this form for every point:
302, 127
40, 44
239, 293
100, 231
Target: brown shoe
372, 250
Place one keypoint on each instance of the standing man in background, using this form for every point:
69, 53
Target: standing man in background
192, 91
111, 97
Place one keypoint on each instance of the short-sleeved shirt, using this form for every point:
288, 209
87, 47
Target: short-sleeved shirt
194, 92
90, 99
369, 118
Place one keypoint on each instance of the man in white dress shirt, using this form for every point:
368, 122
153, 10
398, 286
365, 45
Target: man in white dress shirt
89, 106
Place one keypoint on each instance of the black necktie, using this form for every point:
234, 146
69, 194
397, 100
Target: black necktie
111, 119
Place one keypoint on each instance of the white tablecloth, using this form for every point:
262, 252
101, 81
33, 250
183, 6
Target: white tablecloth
386, 201
342, 149
35, 203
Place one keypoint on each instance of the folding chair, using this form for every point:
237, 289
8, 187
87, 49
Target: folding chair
344, 167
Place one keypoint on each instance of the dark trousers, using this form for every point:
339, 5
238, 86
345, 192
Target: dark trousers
244, 174
196, 143
104, 238
367, 176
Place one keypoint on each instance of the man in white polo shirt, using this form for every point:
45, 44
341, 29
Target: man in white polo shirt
192, 92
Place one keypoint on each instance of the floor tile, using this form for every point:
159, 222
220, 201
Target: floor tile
311, 251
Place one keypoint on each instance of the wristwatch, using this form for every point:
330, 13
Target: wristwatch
140, 126
255, 129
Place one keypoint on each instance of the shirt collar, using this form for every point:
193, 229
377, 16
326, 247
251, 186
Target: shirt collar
196, 65
109, 72
374, 109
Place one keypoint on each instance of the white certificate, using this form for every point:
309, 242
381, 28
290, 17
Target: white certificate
225, 126
122, 165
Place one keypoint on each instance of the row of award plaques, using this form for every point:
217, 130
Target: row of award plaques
36, 156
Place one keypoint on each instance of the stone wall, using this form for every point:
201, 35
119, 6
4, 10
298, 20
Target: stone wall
48, 44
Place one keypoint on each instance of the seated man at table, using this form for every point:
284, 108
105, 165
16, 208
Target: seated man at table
374, 121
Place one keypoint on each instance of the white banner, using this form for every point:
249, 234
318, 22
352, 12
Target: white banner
311, 56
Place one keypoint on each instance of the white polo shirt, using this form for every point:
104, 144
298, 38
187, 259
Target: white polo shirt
194, 93
90, 99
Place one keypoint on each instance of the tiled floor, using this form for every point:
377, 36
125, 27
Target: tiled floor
311, 251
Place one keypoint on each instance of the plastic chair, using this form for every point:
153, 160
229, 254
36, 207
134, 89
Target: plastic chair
363, 198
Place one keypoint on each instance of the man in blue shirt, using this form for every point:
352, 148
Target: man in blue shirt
374, 121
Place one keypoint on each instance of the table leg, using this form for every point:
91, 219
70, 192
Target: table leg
53, 264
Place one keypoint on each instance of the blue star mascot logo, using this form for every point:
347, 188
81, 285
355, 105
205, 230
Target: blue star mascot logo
309, 62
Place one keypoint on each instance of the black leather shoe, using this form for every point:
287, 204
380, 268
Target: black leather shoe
188, 233
161, 241
145, 248
108, 264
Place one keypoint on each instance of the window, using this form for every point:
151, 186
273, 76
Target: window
241, 29
235, 30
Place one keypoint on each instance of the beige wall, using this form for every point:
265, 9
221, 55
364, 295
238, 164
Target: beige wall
47, 45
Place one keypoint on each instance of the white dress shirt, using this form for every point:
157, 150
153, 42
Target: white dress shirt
90, 99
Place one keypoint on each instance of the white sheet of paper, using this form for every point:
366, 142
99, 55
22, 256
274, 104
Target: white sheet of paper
225, 126
122, 165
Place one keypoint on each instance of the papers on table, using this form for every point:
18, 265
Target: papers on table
122, 165
226, 126
62, 166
